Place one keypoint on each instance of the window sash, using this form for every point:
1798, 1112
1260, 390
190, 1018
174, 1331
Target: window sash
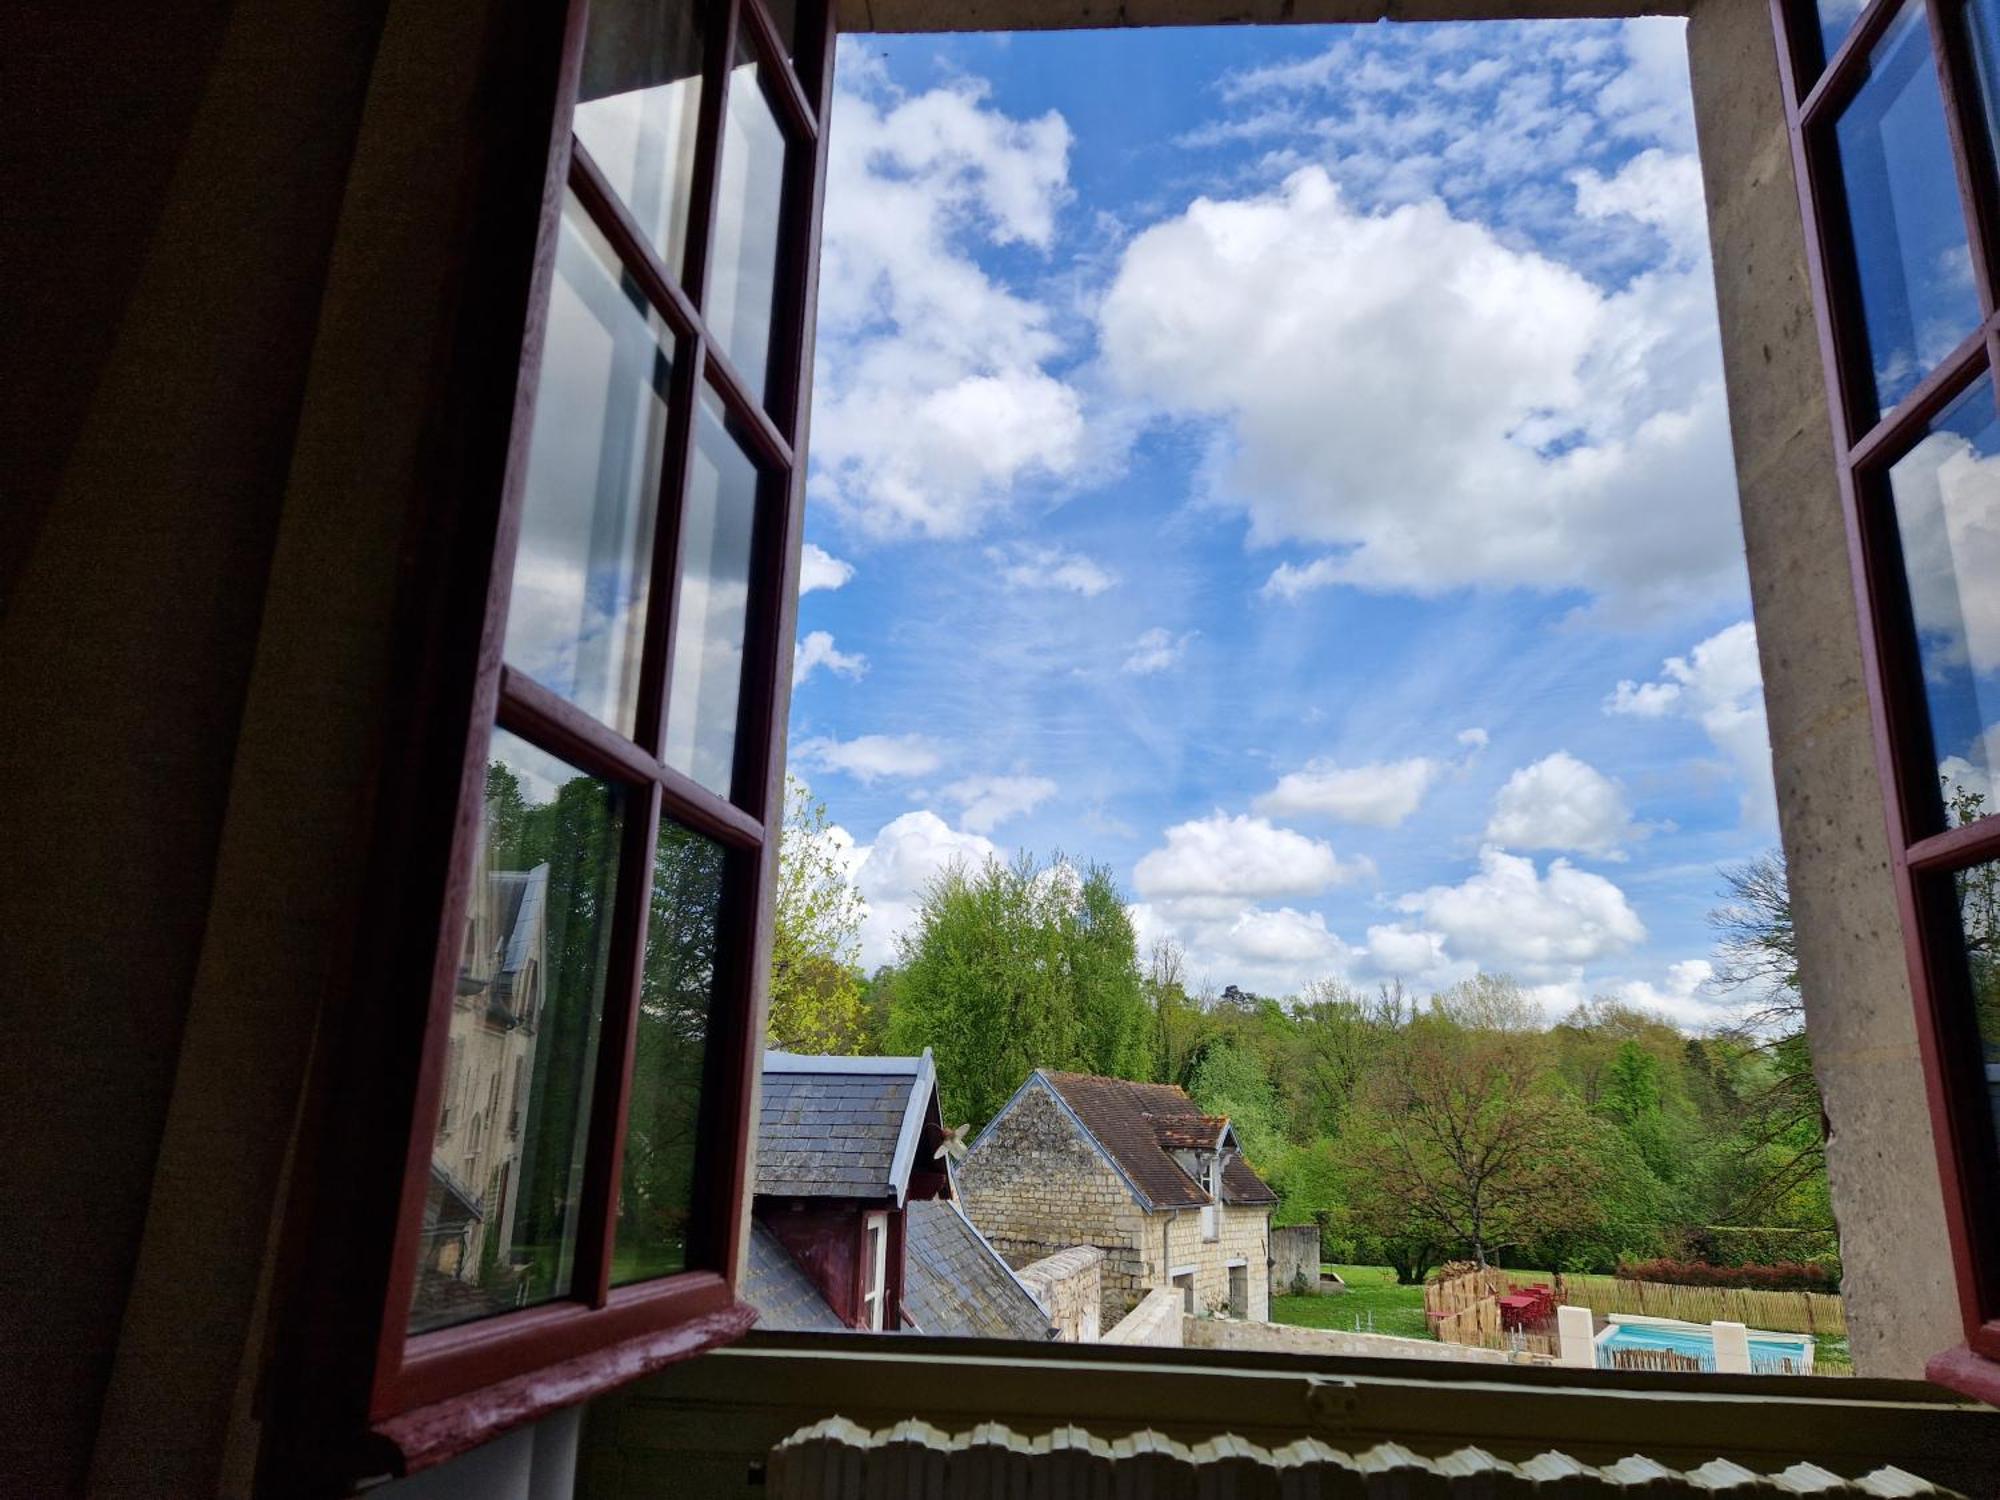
1924, 858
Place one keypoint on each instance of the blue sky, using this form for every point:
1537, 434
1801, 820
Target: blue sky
1290, 467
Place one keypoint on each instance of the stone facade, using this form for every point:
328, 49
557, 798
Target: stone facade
1156, 1323
1038, 1185
1294, 1259
1070, 1288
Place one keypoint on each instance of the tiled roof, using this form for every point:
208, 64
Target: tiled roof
1140, 1124
841, 1127
954, 1283
784, 1296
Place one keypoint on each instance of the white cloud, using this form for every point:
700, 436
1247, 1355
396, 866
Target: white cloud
1023, 566
891, 874
1655, 187
1156, 650
1560, 802
1474, 740
1436, 407
1507, 918
1220, 864
1382, 795
933, 404
1682, 999
817, 650
1720, 686
870, 757
820, 569
989, 801
1650, 98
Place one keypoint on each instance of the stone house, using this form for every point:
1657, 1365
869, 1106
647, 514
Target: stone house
1135, 1169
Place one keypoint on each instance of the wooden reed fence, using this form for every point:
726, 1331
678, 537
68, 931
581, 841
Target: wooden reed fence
1657, 1359
1466, 1310
1780, 1312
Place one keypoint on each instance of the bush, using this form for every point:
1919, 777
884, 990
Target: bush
1784, 1276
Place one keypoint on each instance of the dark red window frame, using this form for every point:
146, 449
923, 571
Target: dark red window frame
353, 1394
1925, 856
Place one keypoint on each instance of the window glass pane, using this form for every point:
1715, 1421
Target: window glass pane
1836, 18
1979, 916
1946, 492
579, 596
1908, 231
500, 1217
1982, 19
784, 16
716, 530
656, 1191
742, 272
637, 106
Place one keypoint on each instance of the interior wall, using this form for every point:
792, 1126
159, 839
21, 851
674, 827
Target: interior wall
1901, 1304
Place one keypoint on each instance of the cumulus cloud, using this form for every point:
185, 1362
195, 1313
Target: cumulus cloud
820, 569
1720, 686
1560, 802
892, 873
1435, 406
1024, 566
1510, 918
1683, 998
817, 650
989, 801
933, 402
1156, 650
1220, 864
870, 757
1381, 795
1659, 188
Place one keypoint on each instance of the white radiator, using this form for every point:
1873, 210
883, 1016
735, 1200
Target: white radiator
838, 1460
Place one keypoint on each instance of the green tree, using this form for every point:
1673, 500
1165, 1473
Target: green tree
816, 984
1011, 967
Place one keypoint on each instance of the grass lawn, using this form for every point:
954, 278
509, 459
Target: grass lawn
1370, 1289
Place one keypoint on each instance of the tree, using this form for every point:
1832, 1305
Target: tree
1011, 967
1464, 1139
816, 984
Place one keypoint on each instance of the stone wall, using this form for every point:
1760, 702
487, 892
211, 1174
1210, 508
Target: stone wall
1036, 1186
1243, 1234
1294, 1258
1070, 1287
1156, 1323
1284, 1338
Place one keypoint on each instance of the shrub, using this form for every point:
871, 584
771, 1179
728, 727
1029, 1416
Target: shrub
1783, 1276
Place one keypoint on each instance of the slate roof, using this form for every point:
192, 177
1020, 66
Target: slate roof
841, 1127
1139, 1125
956, 1284
784, 1296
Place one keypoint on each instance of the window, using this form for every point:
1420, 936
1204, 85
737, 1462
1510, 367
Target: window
874, 1269
612, 833
1239, 1289
1892, 112
1184, 1279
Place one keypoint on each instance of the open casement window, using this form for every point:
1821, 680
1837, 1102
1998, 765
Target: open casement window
874, 1269
1894, 111
573, 1141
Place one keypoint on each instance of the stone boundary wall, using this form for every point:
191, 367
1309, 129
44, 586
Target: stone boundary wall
1286, 1338
1070, 1287
1156, 1323
1294, 1258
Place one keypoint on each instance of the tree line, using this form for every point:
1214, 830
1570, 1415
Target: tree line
1410, 1129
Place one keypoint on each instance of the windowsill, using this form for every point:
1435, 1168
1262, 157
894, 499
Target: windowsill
1966, 1373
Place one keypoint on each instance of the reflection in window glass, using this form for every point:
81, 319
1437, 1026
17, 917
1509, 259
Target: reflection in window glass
743, 268
637, 105
1983, 25
1908, 231
1947, 496
656, 1189
507, 1161
1979, 918
716, 528
578, 608
784, 16
1836, 19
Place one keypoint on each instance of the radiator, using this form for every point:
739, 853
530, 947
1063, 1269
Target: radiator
838, 1460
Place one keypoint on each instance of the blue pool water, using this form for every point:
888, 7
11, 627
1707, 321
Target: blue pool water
1767, 1354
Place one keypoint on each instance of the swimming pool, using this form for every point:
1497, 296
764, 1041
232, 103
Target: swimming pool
1770, 1353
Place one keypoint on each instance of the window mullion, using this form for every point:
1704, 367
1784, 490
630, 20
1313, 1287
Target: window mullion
708, 149
597, 1237
1847, 67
